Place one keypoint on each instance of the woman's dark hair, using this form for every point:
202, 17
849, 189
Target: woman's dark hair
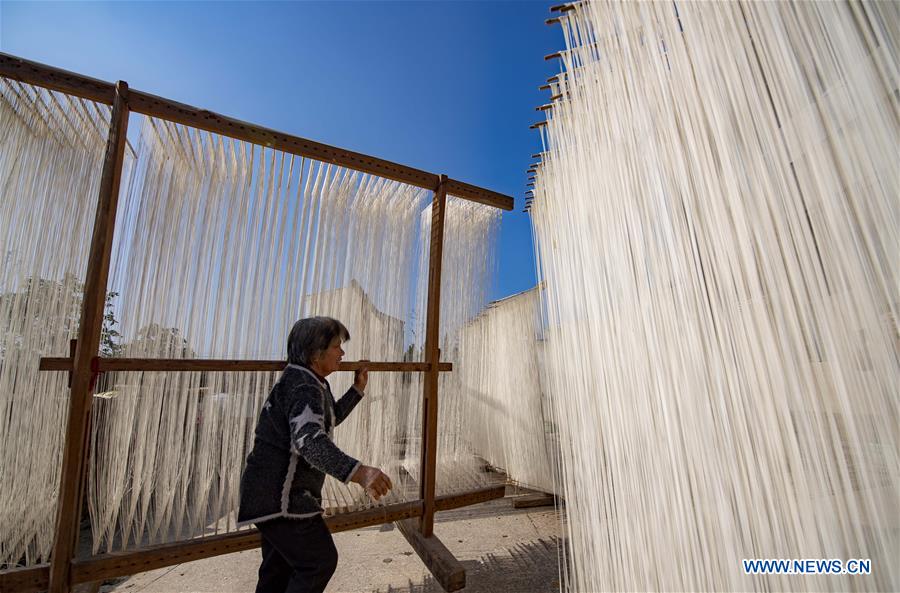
311, 336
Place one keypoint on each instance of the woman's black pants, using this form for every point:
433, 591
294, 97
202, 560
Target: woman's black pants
298, 556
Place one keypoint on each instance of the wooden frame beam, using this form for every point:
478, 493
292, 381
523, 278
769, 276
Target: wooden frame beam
71, 484
443, 565
104, 92
25, 580
445, 568
84, 364
209, 121
57, 79
103, 365
125, 563
538, 499
36, 578
428, 465
448, 502
473, 193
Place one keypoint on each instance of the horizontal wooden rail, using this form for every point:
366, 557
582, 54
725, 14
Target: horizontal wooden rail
209, 121
25, 580
120, 564
107, 566
57, 79
187, 365
103, 92
448, 502
473, 193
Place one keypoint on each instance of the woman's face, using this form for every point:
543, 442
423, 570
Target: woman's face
330, 358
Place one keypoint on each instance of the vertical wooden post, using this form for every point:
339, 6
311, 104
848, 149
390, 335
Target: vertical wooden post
432, 357
72, 480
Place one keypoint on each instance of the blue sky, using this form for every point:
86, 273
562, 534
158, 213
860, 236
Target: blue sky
449, 87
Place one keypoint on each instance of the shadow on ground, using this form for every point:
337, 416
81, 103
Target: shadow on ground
524, 568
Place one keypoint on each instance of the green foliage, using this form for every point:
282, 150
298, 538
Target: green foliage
110, 345
50, 311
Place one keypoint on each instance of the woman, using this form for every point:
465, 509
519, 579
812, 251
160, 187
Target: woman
281, 489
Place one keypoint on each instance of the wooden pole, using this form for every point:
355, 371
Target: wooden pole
118, 564
72, 479
432, 356
83, 373
443, 565
105, 365
139, 102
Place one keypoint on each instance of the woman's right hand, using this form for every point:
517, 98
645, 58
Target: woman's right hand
373, 480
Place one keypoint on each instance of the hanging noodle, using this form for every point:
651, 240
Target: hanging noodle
716, 220
222, 245
467, 265
500, 379
51, 149
219, 247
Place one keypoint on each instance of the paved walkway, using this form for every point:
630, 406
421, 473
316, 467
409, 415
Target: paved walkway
503, 549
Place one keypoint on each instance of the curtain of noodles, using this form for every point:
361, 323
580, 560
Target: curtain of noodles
500, 381
51, 151
219, 247
716, 221
223, 246
467, 267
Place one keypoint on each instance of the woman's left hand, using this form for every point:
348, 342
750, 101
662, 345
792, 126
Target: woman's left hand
361, 377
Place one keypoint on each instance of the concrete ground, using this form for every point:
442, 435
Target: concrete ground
503, 550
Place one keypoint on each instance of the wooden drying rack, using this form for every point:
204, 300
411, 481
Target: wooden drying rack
65, 570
